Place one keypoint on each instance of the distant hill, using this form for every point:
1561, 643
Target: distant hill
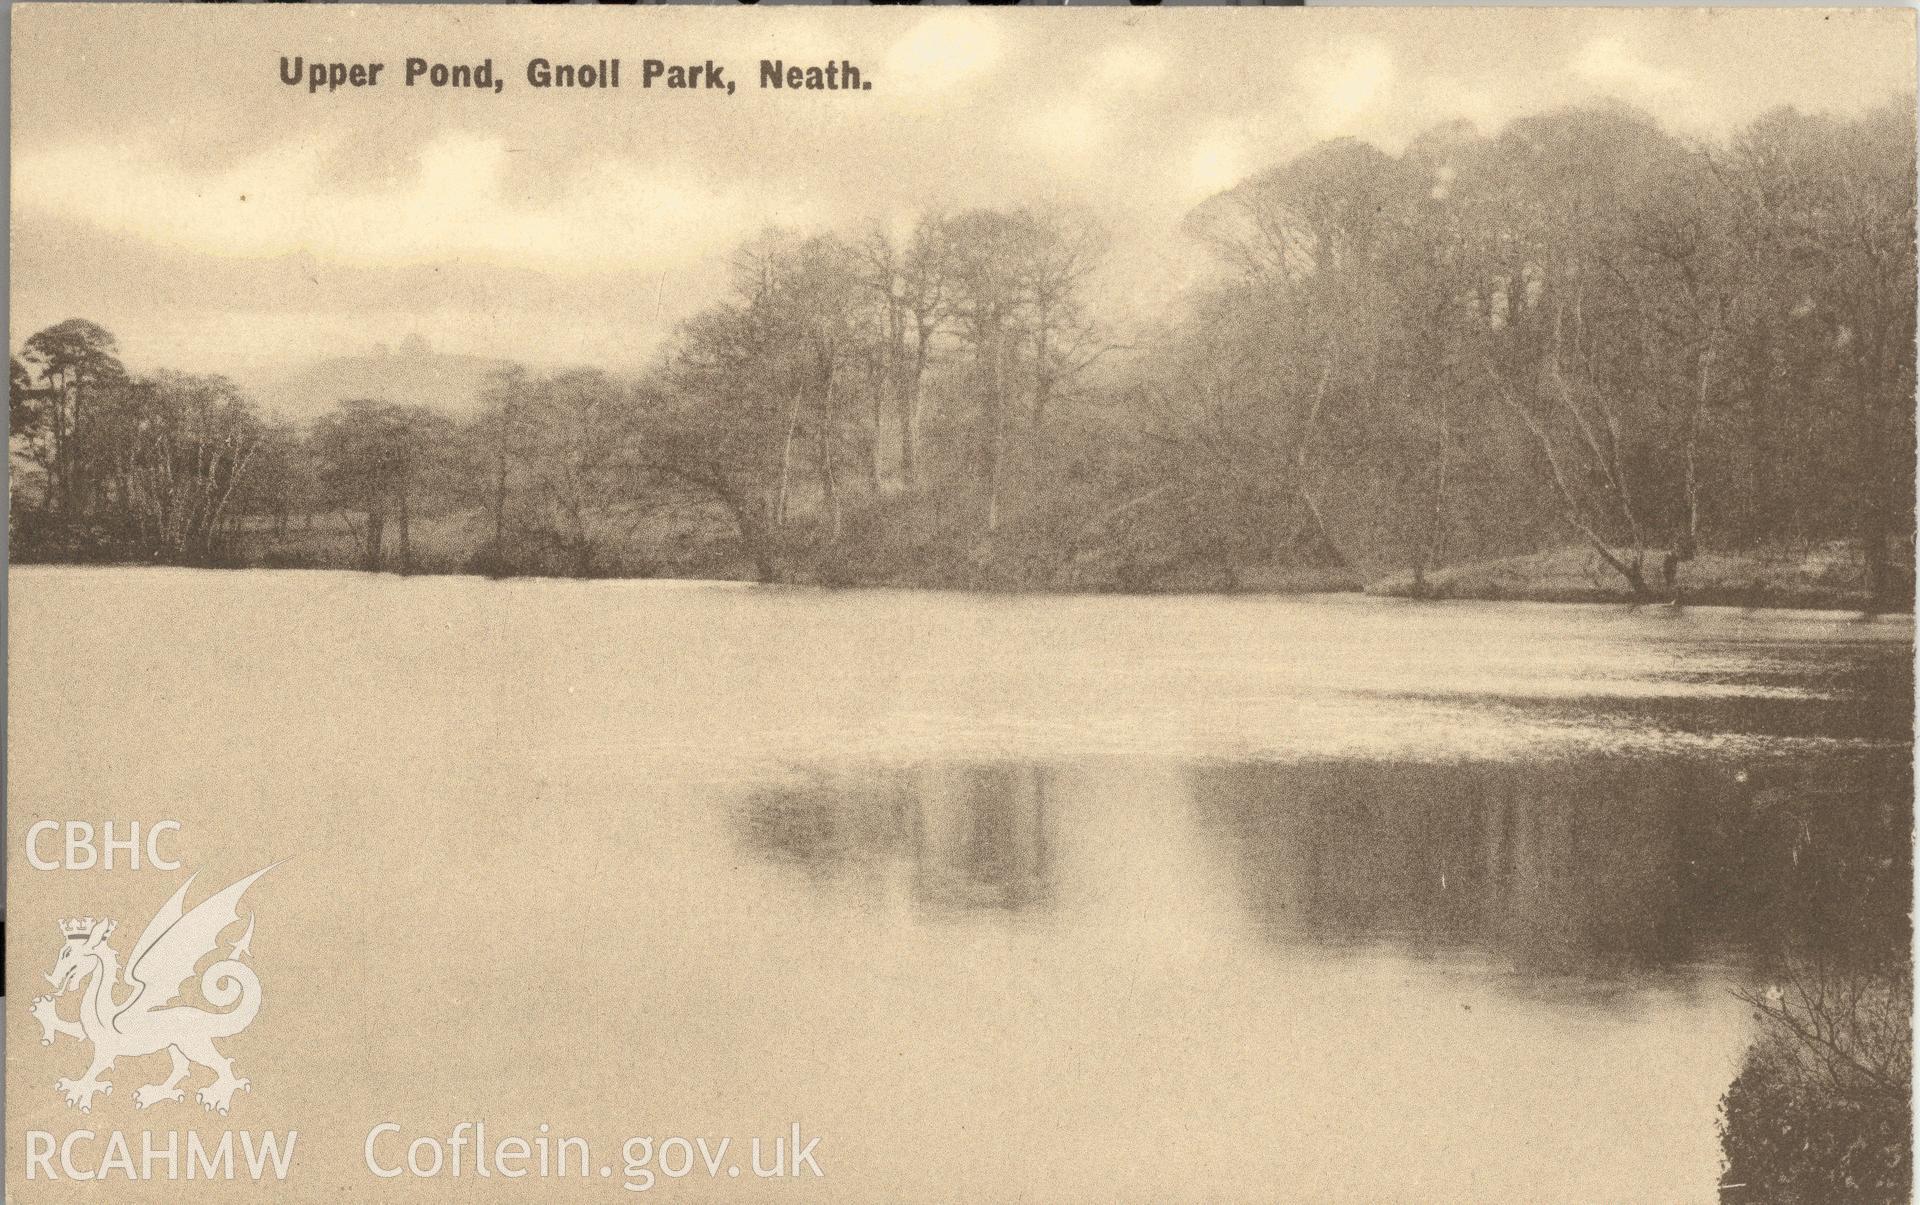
411, 373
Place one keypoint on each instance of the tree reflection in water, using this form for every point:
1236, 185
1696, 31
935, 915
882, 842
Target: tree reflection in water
969, 835
1587, 866
1798, 869
1579, 874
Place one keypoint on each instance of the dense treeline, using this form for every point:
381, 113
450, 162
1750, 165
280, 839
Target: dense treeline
1582, 331
1584, 327
152, 465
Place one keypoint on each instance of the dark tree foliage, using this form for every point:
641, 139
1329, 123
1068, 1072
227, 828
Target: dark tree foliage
108, 466
1821, 1110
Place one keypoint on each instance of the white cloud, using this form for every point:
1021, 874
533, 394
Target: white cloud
941, 51
1609, 61
456, 205
1129, 66
1218, 163
1344, 86
1073, 127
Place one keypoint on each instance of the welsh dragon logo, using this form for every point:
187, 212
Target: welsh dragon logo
140, 1023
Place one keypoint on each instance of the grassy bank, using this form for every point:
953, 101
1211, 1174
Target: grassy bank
699, 544
1824, 576
912, 543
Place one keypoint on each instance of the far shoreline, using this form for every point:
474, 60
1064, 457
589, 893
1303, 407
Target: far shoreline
1454, 585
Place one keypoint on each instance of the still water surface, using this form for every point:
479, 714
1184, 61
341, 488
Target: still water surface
1324, 899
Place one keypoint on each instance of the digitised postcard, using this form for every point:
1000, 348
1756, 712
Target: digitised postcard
957, 605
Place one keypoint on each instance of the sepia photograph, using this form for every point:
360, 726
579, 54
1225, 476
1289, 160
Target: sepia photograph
875, 605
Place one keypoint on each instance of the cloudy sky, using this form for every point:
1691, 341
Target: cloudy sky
166, 184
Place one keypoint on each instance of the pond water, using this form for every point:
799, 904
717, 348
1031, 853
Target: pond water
1090, 898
